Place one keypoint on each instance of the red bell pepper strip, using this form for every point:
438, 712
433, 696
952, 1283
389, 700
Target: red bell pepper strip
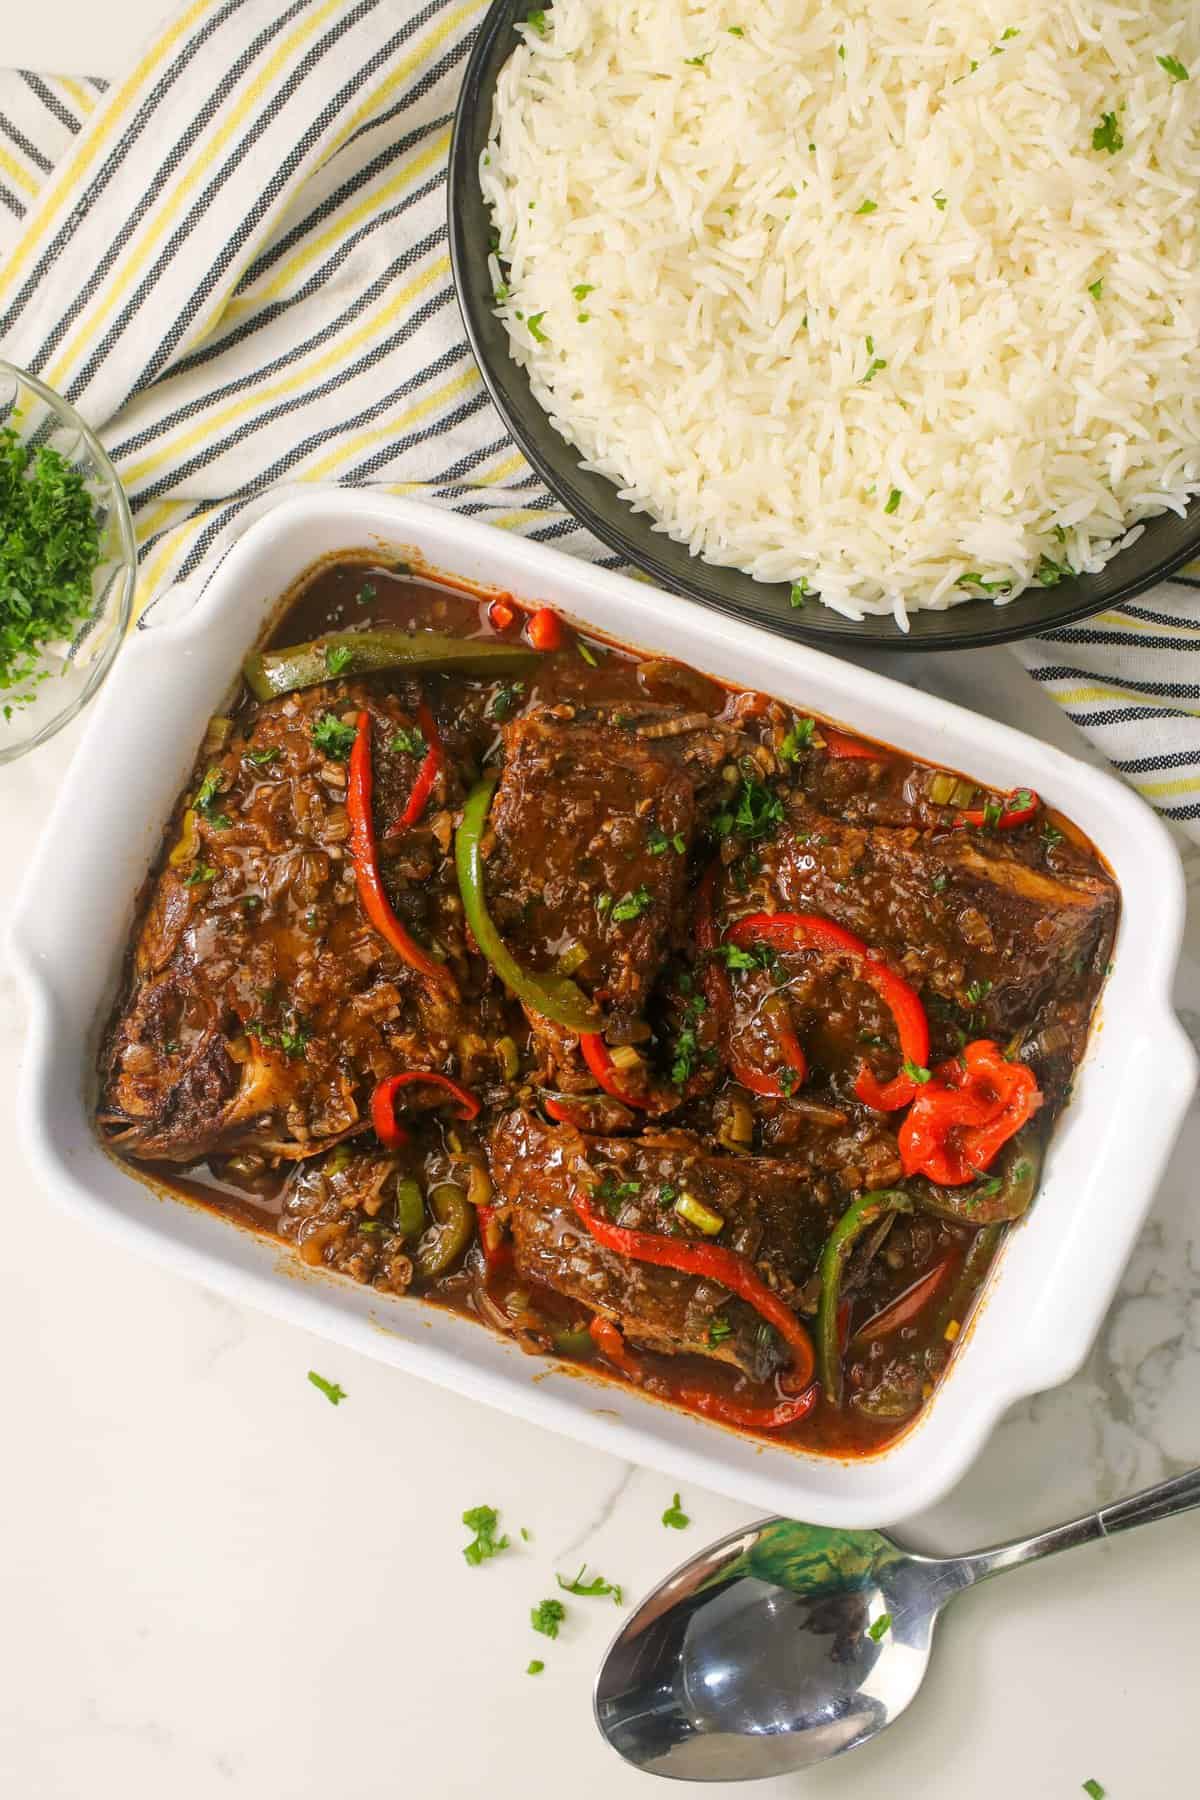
720, 998
383, 1103
599, 1061
848, 749
712, 1263
1021, 806
545, 629
611, 1344
793, 930
360, 789
427, 774
750, 1418
905, 1309
608, 1340
963, 1117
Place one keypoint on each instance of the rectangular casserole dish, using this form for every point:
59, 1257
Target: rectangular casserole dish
1058, 1272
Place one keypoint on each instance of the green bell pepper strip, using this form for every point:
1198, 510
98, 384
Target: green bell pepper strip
975, 1264
841, 1241
410, 1207
977, 1205
270, 673
441, 1245
553, 996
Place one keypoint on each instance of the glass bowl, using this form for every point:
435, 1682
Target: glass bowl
78, 666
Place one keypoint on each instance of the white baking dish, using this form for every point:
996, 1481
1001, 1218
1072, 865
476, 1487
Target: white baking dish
1048, 1295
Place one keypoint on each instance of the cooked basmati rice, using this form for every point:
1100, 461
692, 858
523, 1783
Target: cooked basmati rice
897, 300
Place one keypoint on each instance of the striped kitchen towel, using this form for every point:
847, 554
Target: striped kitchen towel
233, 262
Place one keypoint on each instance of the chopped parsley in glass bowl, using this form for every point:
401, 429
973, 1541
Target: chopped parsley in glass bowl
67, 563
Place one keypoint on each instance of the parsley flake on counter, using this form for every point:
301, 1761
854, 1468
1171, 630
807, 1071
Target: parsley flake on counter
893, 500
882, 1625
536, 1666
596, 1589
1092, 1786
49, 550
1174, 68
675, 1517
547, 1616
333, 738
338, 658
482, 1520
1107, 134
332, 1392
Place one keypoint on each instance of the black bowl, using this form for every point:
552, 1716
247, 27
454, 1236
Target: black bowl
1164, 546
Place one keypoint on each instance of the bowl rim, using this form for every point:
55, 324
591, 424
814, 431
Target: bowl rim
987, 628
65, 412
1047, 1298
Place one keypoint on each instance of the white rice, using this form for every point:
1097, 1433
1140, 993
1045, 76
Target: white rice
844, 263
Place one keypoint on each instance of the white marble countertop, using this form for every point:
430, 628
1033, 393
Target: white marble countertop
215, 1583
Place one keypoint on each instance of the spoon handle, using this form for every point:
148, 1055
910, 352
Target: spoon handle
1158, 1502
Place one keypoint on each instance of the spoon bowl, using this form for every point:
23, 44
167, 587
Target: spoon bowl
786, 1644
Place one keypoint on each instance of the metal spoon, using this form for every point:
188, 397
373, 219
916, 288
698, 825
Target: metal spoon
786, 1644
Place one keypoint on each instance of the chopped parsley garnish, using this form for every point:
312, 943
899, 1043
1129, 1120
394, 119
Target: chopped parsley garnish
538, 21
718, 1330
736, 958
1107, 134
978, 990
1049, 573
338, 658
1174, 68
262, 758
201, 873
675, 1517
940, 199
547, 1616
206, 793
1096, 288
603, 903
893, 500
987, 1190
366, 593
915, 1072
482, 1520
49, 550
534, 322
798, 738
332, 738
938, 884
525, 1535
842, 52
877, 363
506, 700
408, 743
687, 1045
971, 579
800, 590
614, 1194
882, 1625
868, 206
667, 1195
758, 811
582, 289
536, 1666
1092, 1786
697, 62
1051, 835
501, 292
332, 1392
632, 906
735, 31
596, 1589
